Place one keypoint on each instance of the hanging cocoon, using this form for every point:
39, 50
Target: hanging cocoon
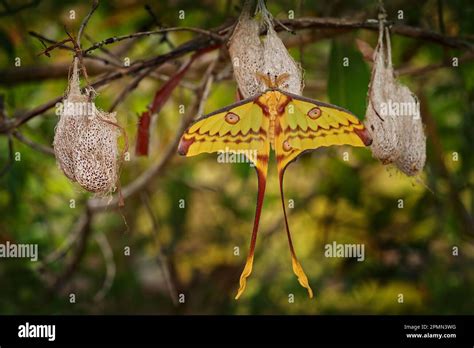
250, 55
85, 140
393, 115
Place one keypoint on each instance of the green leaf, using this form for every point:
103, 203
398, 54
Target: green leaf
348, 78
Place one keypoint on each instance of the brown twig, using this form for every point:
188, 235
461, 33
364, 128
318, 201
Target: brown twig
131, 87
115, 60
59, 70
43, 39
62, 250
218, 38
155, 21
56, 44
110, 267
95, 4
48, 150
400, 29
161, 258
414, 71
83, 226
190, 46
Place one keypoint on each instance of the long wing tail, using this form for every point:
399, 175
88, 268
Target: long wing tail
261, 166
297, 268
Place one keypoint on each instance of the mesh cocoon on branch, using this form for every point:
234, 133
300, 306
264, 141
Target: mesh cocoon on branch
85, 140
398, 137
250, 55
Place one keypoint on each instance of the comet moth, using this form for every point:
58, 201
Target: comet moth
288, 124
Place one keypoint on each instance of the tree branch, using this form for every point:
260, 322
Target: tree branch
199, 43
48, 150
218, 38
161, 258
81, 233
95, 4
400, 29
111, 269
414, 71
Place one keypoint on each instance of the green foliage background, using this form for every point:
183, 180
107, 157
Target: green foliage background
408, 251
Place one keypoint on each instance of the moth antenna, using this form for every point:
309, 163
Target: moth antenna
265, 79
282, 79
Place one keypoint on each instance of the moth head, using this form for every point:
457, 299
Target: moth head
274, 81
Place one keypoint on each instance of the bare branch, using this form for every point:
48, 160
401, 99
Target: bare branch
62, 251
131, 87
196, 44
114, 39
95, 4
48, 150
413, 71
79, 237
50, 41
400, 29
111, 269
115, 60
161, 258
85, 230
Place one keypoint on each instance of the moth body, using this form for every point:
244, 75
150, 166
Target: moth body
272, 103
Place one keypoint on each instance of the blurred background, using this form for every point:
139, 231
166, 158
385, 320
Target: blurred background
178, 233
